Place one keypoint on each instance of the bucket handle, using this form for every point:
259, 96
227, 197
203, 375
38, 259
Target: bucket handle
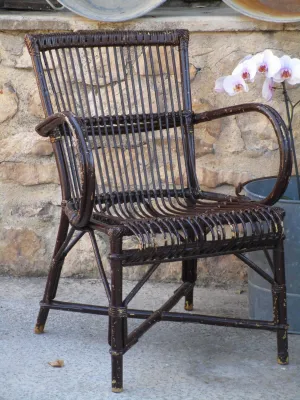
53, 6
240, 186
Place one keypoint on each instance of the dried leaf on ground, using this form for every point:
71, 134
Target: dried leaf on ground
57, 363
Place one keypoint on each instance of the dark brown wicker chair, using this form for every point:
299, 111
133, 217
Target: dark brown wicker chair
119, 115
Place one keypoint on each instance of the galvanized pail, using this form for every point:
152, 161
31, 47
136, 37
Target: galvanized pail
259, 291
111, 10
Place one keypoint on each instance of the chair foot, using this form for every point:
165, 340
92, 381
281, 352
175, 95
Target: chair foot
189, 274
283, 360
282, 343
41, 321
188, 306
115, 390
117, 373
39, 328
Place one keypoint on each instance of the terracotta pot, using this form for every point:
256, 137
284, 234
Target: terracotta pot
268, 10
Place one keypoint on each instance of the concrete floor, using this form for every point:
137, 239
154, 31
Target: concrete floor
172, 361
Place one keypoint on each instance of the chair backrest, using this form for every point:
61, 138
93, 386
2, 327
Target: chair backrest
131, 91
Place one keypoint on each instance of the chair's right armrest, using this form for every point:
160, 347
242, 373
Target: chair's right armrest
283, 138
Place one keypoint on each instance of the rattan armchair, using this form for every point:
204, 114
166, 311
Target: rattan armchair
119, 115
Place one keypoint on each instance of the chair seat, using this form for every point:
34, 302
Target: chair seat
202, 229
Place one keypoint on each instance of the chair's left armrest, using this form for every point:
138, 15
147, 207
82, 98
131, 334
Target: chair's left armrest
283, 138
78, 215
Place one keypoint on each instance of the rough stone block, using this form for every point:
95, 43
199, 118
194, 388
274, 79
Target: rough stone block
8, 102
23, 146
42, 147
21, 252
34, 105
202, 148
29, 174
215, 178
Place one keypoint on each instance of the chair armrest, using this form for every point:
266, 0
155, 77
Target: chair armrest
78, 211
282, 134
46, 128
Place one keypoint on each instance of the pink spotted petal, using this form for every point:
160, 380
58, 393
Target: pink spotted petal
295, 78
268, 89
234, 84
247, 70
286, 69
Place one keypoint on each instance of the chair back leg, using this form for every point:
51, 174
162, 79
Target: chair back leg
280, 304
118, 317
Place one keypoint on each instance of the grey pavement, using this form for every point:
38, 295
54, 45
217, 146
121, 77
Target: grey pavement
172, 361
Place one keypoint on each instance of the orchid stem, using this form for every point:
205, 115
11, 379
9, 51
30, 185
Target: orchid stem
290, 116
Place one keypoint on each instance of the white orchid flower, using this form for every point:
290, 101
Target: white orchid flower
268, 89
234, 84
289, 71
267, 63
248, 57
231, 84
219, 86
247, 69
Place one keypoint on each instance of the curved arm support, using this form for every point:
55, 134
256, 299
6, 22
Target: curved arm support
78, 215
282, 134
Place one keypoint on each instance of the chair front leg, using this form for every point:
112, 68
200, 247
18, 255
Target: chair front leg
54, 273
118, 317
280, 305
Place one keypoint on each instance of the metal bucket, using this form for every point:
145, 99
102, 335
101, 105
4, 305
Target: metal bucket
111, 10
268, 10
36, 5
260, 297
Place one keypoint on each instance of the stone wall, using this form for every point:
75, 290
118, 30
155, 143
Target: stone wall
228, 152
